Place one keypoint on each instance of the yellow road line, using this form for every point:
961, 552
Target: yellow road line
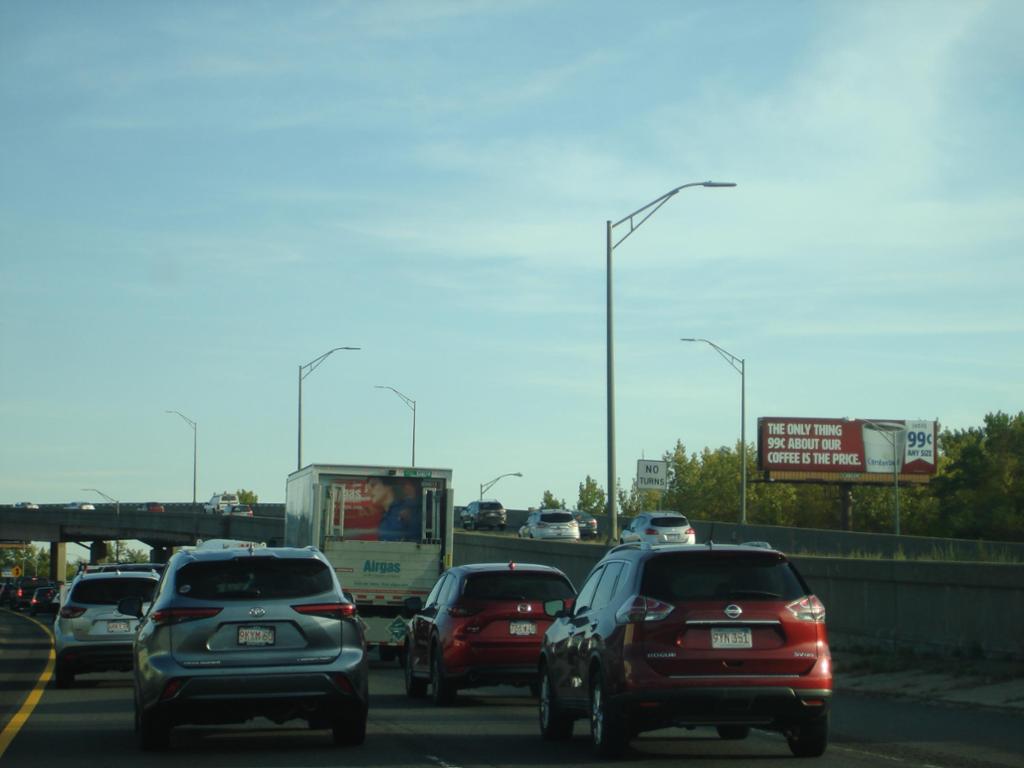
23, 714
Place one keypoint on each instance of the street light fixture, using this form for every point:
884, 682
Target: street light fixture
484, 487
890, 430
117, 517
195, 454
740, 365
412, 404
643, 214
304, 371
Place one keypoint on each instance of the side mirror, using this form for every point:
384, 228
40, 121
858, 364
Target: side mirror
130, 606
411, 606
558, 609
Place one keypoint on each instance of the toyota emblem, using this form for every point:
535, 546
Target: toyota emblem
257, 612
733, 611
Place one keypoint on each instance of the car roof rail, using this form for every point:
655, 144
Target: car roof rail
641, 545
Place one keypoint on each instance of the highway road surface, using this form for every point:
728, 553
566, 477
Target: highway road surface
91, 724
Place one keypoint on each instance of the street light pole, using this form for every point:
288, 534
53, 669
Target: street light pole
412, 404
195, 453
484, 487
117, 518
739, 365
889, 431
304, 371
643, 214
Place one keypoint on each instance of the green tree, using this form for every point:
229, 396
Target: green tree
247, 497
592, 498
550, 501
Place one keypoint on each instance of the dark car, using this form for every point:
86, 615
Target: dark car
686, 635
23, 589
238, 633
587, 524
481, 624
484, 514
44, 600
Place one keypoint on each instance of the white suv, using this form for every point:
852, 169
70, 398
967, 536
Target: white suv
220, 502
662, 527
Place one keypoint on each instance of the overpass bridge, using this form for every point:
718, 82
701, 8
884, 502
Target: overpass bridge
179, 525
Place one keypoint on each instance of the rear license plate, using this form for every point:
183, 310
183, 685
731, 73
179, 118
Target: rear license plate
522, 628
117, 626
255, 635
738, 637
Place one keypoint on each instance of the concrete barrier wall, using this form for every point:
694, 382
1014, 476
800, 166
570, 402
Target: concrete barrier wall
948, 609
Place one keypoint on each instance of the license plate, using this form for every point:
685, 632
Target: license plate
672, 537
117, 626
731, 638
522, 628
255, 635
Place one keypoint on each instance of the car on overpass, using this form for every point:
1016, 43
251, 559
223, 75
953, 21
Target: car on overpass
80, 505
219, 502
151, 506
26, 505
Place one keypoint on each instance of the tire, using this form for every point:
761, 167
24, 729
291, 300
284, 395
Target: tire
733, 732
442, 689
608, 733
809, 739
555, 725
415, 688
153, 731
65, 676
349, 730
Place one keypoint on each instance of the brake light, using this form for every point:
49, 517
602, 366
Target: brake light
167, 616
808, 608
651, 532
71, 612
327, 610
639, 608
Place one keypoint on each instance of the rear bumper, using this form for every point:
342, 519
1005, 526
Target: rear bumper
212, 699
98, 657
504, 674
773, 706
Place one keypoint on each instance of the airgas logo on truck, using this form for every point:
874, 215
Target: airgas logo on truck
381, 566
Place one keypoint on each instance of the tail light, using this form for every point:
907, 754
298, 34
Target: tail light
639, 608
651, 532
167, 616
34, 602
327, 610
71, 612
461, 611
691, 532
20, 592
808, 608
172, 688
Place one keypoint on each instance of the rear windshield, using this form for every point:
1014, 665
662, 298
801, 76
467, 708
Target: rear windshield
720, 576
491, 505
517, 585
669, 522
252, 576
556, 517
112, 591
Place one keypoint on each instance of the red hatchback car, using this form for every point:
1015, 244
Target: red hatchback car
686, 635
481, 624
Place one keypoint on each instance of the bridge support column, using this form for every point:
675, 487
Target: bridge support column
97, 551
159, 554
58, 561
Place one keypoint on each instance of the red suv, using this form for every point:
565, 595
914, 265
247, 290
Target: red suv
688, 635
481, 625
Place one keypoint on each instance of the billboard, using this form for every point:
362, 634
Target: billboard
868, 450
374, 508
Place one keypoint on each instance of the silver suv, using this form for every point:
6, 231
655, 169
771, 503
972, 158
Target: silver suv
89, 633
242, 632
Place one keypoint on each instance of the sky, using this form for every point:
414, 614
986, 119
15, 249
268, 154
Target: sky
196, 199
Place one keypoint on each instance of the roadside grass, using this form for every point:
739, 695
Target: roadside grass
864, 660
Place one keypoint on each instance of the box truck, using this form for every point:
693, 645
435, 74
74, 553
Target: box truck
387, 531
